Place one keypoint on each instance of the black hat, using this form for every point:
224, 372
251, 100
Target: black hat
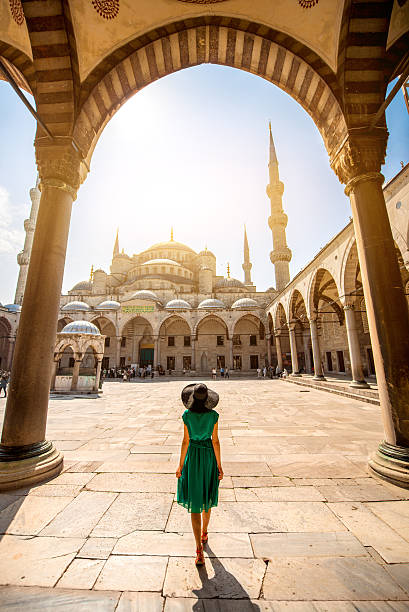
201, 393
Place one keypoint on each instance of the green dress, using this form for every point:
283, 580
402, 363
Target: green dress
198, 486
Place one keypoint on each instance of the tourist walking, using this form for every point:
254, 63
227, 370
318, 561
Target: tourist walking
200, 468
214, 373
227, 373
258, 372
3, 384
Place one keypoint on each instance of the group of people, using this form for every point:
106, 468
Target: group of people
4, 381
224, 373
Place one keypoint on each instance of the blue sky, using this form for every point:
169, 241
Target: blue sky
189, 151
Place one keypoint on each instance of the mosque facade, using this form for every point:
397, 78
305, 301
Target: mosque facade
166, 306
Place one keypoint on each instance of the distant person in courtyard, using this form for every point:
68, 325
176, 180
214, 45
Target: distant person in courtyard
278, 371
222, 372
258, 372
200, 468
3, 384
227, 373
214, 373
264, 372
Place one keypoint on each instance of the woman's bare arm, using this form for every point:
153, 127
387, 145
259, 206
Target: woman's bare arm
183, 451
216, 446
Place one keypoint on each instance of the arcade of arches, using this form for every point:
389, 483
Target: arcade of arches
81, 67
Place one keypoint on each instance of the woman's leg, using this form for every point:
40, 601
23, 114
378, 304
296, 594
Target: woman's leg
206, 519
196, 518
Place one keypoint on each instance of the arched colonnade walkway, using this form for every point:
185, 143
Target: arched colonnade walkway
343, 106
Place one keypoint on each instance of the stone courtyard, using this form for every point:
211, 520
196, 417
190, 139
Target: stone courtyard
300, 525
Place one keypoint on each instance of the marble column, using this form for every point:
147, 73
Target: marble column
75, 374
54, 375
308, 363
230, 365
118, 351
10, 354
98, 375
358, 379
156, 342
316, 351
193, 343
357, 164
278, 350
25, 456
293, 348
268, 340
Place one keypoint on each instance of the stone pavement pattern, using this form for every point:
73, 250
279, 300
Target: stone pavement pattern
300, 527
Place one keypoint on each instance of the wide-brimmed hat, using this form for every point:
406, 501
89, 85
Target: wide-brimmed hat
201, 393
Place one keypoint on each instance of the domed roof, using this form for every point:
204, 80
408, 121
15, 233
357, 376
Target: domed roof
76, 307
211, 303
271, 289
81, 327
245, 303
161, 261
82, 286
227, 283
206, 253
144, 294
178, 305
108, 305
171, 244
13, 307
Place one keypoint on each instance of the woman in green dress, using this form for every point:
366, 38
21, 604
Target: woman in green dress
200, 468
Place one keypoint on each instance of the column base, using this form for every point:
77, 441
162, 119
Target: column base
391, 463
319, 377
359, 384
22, 466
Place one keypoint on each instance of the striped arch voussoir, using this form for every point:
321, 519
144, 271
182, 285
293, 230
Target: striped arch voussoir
217, 45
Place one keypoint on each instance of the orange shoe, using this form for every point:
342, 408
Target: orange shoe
205, 537
199, 556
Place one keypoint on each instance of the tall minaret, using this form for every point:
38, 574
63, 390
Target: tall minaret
281, 255
247, 265
116, 245
23, 258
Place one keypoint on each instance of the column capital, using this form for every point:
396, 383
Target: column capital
349, 307
360, 157
291, 325
277, 333
59, 165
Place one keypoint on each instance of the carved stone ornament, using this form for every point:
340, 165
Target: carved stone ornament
17, 11
59, 166
307, 3
362, 153
108, 9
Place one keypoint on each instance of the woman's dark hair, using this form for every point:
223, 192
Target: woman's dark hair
198, 406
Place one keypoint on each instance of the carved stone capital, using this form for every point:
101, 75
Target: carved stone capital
59, 165
360, 157
349, 306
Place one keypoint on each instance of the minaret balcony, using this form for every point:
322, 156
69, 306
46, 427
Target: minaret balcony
283, 254
22, 259
275, 189
279, 218
29, 225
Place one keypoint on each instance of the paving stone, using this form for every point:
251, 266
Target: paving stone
329, 578
132, 483
35, 561
17, 599
29, 515
260, 481
56, 490
394, 514
238, 468
315, 466
129, 573
262, 517
400, 573
183, 544
97, 548
84, 466
81, 515
81, 574
72, 478
279, 494
226, 578
132, 464
140, 602
372, 531
356, 492
132, 511
7, 499
273, 545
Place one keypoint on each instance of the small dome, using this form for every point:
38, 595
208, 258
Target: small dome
245, 303
108, 305
81, 327
13, 307
178, 305
82, 286
206, 253
76, 307
271, 290
168, 262
144, 294
228, 283
211, 303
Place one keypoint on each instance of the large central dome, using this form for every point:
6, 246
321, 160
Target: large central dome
171, 244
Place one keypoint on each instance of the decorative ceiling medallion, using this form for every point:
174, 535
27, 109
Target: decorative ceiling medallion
17, 11
108, 9
307, 3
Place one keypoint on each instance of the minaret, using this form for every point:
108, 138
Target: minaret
281, 255
247, 265
23, 258
116, 245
